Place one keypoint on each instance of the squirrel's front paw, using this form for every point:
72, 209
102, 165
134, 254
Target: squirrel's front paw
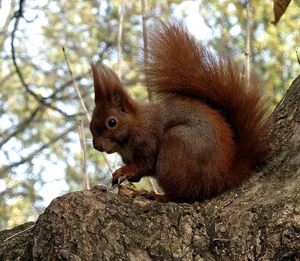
125, 172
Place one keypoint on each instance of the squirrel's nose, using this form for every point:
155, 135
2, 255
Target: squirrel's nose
97, 146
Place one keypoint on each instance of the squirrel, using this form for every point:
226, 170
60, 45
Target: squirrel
202, 135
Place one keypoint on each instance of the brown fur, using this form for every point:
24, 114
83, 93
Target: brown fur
203, 135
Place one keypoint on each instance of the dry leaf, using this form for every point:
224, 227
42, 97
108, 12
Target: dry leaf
127, 191
279, 9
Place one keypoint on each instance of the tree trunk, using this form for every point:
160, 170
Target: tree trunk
259, 220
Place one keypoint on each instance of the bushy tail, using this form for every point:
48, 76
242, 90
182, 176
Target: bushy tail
179, 65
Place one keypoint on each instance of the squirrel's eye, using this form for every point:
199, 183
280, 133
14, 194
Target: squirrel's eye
112, 122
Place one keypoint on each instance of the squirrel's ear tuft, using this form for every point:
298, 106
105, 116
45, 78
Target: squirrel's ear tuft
108, 88
105, 80
98, 85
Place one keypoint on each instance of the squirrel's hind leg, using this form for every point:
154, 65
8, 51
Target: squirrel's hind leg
185, 159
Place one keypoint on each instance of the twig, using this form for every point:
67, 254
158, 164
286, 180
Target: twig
298, 58
41, 100
121, 14
76, 87
20, 127
221, 239
18, 16
39, 150
150, 96
248, 48
5, 26
86, 182
145, 39
66, 84
83, 105
7, 77
20, 232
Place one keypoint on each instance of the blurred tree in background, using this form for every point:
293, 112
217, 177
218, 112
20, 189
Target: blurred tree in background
39, 108
273, 48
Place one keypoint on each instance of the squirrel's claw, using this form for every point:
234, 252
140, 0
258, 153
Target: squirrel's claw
125, 172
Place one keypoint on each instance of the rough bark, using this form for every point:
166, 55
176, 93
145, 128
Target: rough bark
259, 220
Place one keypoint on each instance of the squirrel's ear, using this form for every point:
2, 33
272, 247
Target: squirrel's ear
108, 88
121, 100
105, 80
98, 84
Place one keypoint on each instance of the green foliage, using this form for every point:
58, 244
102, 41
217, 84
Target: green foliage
273, 48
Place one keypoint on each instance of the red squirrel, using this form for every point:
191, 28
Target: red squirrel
203, 133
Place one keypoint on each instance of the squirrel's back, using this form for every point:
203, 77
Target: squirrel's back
179, 66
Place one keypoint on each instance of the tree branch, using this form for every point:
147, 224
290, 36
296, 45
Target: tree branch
20, 127
33, 154
6, 77
4, 29
41, 100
